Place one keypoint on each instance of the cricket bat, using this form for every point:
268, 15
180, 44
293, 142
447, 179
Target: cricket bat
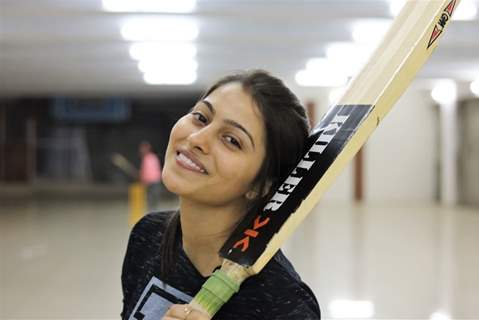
347, 125
124, 164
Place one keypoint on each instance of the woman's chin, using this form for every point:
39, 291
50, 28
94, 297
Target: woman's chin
175, 183
170, 184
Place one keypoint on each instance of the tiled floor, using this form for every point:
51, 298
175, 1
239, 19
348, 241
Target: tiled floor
61, 259
409, 260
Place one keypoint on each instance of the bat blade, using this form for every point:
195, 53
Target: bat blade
123, 164
343, 130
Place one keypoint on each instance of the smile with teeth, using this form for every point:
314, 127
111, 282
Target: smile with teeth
188, 164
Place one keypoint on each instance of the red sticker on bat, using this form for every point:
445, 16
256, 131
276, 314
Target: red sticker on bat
244, 243
441, 23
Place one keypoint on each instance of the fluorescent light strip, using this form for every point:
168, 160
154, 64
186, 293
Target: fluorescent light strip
347, 50
370, 31
170, 78
395, 6
169, 66
170, 6
162, 51
335, 94
475, 87
160, 29
313, 78
444, 92
350, 57
466, 11
328, 66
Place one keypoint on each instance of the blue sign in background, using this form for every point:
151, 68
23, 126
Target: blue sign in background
90, 110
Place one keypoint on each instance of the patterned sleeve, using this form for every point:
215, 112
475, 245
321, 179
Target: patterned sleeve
295, 302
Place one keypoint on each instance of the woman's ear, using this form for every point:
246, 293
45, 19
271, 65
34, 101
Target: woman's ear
267, 187
252, 194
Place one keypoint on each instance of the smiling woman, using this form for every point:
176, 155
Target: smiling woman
224, 159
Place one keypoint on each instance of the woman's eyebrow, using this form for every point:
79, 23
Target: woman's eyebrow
209, 105
237, 125
230, 122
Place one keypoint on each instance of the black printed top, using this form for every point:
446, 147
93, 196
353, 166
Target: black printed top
277, 292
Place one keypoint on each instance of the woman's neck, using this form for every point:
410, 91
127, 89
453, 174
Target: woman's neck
204, 231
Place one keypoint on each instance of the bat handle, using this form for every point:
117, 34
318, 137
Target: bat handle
220, 287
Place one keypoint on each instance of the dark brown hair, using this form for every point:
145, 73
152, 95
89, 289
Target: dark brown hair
286, 127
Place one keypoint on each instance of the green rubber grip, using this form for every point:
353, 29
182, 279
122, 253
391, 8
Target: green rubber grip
216, 291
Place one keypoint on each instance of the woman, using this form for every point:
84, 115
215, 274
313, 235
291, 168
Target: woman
224, 158
150, 174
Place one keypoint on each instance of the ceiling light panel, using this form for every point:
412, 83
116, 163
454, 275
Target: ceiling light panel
162, 50
175, 6
160, 29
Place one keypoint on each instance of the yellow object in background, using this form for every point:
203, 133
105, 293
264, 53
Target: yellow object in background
137, 202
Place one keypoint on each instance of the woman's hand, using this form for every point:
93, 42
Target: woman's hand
184, 312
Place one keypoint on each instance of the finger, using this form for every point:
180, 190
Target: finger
179, 311
197, 315
185, 311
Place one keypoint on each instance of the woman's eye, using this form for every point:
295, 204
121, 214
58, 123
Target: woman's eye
200, 117
233, 141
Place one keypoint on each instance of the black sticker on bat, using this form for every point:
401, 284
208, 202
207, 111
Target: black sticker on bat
326, 141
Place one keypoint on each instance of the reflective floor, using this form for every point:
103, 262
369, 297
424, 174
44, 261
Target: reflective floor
61, 259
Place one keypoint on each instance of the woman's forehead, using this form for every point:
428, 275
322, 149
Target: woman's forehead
235, 103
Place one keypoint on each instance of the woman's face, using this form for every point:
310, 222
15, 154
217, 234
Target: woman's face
215, 152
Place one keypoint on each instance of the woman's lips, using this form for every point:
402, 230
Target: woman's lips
187, 161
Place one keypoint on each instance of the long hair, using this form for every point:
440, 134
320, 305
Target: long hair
286, 126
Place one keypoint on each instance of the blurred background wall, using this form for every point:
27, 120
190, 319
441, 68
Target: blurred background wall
71, 139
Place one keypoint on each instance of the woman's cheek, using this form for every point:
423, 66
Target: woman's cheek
237, 170
166, 179
177, 129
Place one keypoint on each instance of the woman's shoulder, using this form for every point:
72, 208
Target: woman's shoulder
151, 225
145, 237
279, 271
289, 296
153, 220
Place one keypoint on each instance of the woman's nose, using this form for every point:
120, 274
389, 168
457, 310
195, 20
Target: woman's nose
201, 139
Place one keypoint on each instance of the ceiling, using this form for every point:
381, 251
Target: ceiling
76, 47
